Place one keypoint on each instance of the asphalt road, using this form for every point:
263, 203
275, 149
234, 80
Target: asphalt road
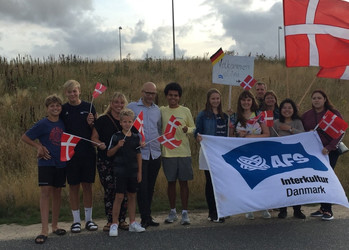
266, 234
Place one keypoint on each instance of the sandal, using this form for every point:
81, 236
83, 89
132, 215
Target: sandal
123, 225
59, 231
75, 227
106, 228
91, 226
40, 239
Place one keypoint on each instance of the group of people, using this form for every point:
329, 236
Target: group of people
128, 166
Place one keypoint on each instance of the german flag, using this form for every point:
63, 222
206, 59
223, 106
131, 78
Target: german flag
216, 57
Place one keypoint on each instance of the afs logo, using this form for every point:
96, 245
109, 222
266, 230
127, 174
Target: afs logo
273, 158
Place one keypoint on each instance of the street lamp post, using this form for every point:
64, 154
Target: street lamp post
120, 28
279, 28
173, 32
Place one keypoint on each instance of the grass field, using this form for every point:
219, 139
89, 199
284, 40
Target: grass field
25, 82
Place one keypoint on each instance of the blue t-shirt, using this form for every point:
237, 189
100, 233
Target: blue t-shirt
49, 134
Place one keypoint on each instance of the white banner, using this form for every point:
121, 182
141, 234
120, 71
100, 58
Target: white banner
253, 174
232, 70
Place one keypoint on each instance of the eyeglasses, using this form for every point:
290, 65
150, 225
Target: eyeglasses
149, 93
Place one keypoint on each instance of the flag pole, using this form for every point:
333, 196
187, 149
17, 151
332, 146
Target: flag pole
91, 104
306, 92
82, 138
229, 108
154, 139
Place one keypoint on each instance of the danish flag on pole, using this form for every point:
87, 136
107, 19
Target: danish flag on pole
68, 143
333, 125
169, 141
138, 124
316, 33
99, 89
248, 83
268, 117
172, 125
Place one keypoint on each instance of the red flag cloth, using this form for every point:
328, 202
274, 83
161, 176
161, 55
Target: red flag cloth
68, 143
138, 124
169, 141
248, 83
99, 89
172, 125
316, 33
337, 72
333, 125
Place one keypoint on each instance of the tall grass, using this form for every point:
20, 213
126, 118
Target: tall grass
25, 82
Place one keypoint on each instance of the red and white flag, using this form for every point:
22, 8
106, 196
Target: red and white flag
99, 89
316, 33
333, 125
169, 141
68, 143
138, 124
266, 117
337, 72
248, 83
172, 125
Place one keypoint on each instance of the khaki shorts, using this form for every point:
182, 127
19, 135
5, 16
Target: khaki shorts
177, 168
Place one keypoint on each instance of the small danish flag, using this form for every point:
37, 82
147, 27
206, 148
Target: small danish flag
248, 83
99, 89
333, 125
138, 124
68, 143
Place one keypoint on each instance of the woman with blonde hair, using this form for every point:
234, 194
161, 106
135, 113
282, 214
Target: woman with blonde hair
105, 126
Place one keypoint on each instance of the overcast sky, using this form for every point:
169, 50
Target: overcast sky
90, 28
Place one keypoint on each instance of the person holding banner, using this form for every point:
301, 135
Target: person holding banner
311, 118
289, 123
105, 126
177, 162
247, 123
51, 171
211, 121
81, 169
151, 152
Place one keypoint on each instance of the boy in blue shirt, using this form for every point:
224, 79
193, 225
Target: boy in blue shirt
51, 171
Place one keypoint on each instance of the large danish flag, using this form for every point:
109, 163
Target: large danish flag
316, 33
138, 124
333, 125
68, 143
99, 89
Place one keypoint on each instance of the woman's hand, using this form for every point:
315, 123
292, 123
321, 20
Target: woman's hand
198, 138
325, 151
102, 146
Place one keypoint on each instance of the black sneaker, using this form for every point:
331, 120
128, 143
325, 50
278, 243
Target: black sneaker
327, 216
152, 222
299, 215
145, 223
318, 213
282, 214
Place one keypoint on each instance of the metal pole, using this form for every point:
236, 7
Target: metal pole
120, 28
279, 28
173, 31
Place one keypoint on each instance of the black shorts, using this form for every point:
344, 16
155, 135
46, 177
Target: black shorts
125, 184
51, 176
81, 169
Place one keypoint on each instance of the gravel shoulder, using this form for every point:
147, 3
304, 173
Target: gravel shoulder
198, 218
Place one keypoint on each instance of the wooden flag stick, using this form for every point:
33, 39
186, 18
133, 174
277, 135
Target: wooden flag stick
306, 92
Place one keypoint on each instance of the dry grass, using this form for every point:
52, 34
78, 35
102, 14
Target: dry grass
24, 83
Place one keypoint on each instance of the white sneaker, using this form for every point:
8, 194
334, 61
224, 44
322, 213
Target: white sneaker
249, 216
135, 227
185, 219
266, 214
113, 230
172, 216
